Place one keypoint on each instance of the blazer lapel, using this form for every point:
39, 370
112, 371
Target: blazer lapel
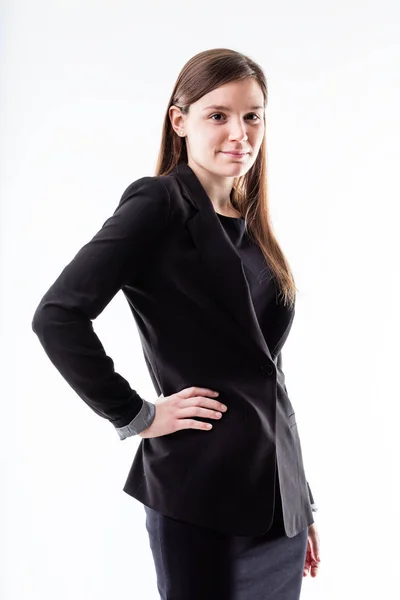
223, 270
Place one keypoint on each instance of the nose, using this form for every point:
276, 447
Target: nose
238, 132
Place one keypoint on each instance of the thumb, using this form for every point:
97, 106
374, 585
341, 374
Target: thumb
314, 548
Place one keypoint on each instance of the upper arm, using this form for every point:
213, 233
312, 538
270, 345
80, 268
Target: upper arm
116, 253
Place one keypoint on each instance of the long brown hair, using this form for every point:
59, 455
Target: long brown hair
200, 75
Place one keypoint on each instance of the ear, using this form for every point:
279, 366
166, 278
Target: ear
177, 119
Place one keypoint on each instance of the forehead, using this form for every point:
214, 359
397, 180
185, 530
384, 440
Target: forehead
246, 94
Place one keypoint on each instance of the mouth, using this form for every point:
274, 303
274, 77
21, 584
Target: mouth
236, 153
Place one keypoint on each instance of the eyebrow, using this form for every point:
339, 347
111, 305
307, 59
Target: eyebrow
220, 107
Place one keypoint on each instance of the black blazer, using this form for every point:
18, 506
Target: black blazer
165, 248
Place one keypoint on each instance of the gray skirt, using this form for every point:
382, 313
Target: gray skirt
196, 563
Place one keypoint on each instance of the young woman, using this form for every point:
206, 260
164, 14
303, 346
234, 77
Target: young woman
219, 469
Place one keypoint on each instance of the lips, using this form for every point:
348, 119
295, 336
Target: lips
235, 152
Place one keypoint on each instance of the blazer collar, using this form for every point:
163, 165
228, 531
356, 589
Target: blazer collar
223, 270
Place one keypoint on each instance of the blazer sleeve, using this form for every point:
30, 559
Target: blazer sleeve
114, 257
314, 507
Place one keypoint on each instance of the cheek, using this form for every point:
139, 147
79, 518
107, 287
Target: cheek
215, 135
207, 138
257, 139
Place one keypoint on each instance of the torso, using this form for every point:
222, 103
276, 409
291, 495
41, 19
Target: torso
232, 213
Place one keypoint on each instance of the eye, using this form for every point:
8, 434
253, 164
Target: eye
255, 116
219, 114
215, 115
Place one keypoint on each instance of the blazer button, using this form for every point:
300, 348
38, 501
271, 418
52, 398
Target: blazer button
267, 370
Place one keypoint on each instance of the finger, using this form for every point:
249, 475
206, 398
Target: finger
318, 550
197, 391
199, 411
307, 563
204, 401
314, 569
314, 547
192, 424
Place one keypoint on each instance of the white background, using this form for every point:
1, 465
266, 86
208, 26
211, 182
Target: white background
84, 89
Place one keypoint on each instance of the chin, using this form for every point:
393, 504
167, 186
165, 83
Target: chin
236, 167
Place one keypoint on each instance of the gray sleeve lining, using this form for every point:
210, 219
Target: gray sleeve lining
143, 419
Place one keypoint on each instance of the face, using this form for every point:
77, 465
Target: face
211, 133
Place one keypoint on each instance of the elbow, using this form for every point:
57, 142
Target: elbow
44, 315
51, 317
37, 320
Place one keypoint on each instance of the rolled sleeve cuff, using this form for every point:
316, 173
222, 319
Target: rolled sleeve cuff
143, 419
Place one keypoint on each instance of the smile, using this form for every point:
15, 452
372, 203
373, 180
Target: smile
236, 154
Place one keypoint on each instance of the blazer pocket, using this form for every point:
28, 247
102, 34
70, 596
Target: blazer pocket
292, 419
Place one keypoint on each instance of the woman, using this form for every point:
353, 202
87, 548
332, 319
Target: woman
229, 516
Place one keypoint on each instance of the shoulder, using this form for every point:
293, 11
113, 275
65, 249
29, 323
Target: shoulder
146, 196
158, 196
151, 186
